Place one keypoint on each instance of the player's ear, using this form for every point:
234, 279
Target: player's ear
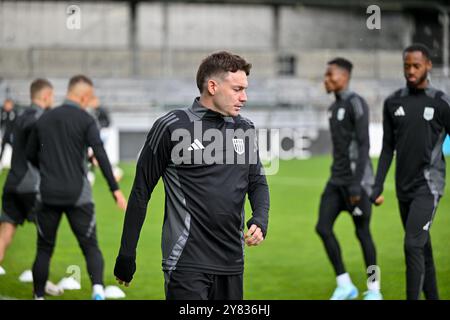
211, 86
429, 65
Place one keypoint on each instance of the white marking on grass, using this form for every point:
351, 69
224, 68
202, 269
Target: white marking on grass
7, 298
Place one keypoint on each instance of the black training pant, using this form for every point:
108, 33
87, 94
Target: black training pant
82, 222
417, 216
184, 285
334, 200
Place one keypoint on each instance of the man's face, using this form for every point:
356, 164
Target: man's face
86, 96
416, 67
229, 94
94, 103
335, 78
8, 105
48, 97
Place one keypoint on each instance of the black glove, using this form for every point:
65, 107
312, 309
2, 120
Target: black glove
125, 268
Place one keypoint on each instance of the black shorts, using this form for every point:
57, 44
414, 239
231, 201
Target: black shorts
337, 198
184, 285
418, 214
18, 207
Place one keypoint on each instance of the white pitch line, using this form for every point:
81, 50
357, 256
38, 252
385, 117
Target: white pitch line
7, 298
302, 182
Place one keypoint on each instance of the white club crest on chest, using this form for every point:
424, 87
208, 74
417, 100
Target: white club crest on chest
238, 145
340, 114
428, 113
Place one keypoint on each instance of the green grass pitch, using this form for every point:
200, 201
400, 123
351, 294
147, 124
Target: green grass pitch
290, 264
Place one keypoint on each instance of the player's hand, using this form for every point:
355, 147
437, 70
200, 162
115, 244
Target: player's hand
354, 200
126, 284
254, 236
379, 201
120, 200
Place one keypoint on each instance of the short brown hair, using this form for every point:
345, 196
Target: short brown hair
219, 63
80, 78
37, 85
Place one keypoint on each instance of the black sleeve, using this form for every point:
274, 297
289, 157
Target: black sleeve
95, 142
33, 147
7, 136
445, 112
103, 117
26, 124
360, 113
387, 153
258, 194
153, 160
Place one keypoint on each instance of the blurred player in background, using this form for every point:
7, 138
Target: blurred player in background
58, 147
21, 189
7, 118
416, 120
350, 184
102, 117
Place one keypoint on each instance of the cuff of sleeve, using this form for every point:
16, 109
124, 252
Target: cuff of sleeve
125, 267
260, 225
114, 188
354, 190
376, 192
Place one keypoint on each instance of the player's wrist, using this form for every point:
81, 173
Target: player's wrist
125, 267
354, 190
252, 221
376, 192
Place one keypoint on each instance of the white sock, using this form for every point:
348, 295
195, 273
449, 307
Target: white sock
2, 271
343, 280
98, 289
373, 285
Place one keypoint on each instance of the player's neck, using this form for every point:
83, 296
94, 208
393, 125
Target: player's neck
208, 104
74, 99
339, 92
421, 86
38, 103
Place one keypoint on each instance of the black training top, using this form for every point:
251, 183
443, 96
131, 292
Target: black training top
23, 177
349, 127
415, 124
208, 163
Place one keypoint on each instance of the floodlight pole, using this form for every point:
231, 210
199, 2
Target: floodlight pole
445, 41
133, 42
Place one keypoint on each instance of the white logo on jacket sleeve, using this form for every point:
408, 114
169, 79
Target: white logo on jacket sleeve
238, 145
428, 113
341, 114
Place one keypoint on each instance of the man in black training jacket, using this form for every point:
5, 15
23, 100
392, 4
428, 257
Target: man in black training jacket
21, 188
58, 147
416, 120
208, 159
350, 184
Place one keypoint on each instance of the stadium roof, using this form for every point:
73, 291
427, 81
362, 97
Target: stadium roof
391, 5
388, 4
